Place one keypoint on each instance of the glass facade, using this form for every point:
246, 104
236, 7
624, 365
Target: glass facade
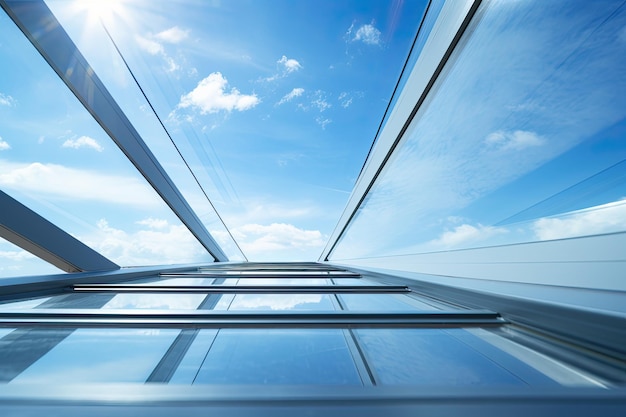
520, 140
480, 272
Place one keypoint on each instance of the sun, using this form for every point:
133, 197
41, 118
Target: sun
105, 11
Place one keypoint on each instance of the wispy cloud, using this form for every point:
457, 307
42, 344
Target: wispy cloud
150, 46
367, 34
153, 45
210, 96
7, 100
296, 92
465, 234
516, 140
153, 223
605, 218
83, 142
285, 66
60, 182
172, 35
322, 121
4, 145
345, 100
319, 101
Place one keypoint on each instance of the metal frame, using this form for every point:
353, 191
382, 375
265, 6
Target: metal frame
241, 289
256, 275
31, 232
47, 35
100, 400
215, 319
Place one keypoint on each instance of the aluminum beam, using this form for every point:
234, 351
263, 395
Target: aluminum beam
31, 232
47, 35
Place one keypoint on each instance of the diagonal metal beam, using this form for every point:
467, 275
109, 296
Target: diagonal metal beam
47, 35
31, 232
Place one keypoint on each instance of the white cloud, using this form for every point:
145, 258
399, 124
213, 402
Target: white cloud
278, 241
516, 140
83, 142
320, 102
4, 145
150, 46
16, 255
367, 34
153, 223
6, 100
61, 182
170, 244
296, 92
173, 35
605, 218
345, 100
464, 234
210, 96
289, 64
153, 47
322, 121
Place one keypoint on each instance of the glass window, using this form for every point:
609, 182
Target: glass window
283, 357
521, 140
382, 302
319, 302
101, 355
454, 357
283, 281
155, 301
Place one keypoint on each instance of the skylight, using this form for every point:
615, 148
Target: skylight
273, 106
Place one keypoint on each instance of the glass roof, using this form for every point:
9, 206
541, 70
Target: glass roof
266, 108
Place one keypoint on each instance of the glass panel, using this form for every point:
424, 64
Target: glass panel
529, 149
455, 357
60, 163
156, 301
190, 365
101, 355
286, 357
283, 281
173, 281
319, 302
382, 302
27, 304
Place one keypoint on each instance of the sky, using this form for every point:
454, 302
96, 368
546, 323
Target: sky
273, 104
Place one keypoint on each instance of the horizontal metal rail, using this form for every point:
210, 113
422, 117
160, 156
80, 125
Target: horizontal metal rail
257, 275
88, 318
242, 289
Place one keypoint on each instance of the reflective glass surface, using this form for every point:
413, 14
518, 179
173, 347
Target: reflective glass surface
319, 302
282, 357
455, 357
520, 140
100, 355
156, 301
382, 302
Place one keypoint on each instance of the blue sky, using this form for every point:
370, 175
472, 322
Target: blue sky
274, 105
